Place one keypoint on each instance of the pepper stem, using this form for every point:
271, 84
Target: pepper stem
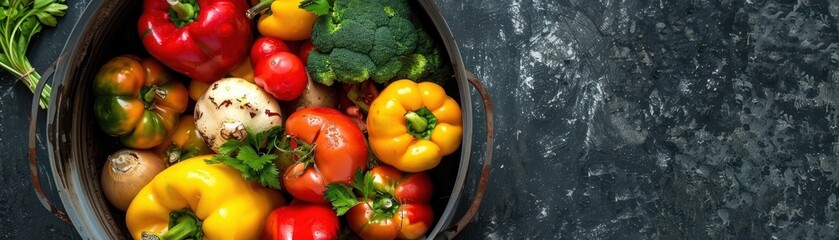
174, 154
262, 5
421, 123
185, 11
182, 13
385, 203
147, 94
418, 123
182, 225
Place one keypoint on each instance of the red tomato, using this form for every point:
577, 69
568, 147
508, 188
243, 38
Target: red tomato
305, 49
282, 75
340, 149
302, 221
266, 46
409, 195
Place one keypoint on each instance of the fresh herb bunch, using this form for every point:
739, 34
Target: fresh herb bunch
20, 20
253, 156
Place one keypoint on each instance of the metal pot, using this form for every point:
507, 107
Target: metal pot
77, 148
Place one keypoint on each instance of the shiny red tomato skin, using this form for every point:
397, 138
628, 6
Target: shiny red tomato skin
340, 150
266, 46
282, 75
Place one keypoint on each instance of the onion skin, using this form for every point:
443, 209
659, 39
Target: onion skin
126, 172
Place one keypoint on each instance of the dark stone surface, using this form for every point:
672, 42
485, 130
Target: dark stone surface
615, 119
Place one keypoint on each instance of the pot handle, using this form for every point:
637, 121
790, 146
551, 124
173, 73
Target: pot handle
33, 158
453, 230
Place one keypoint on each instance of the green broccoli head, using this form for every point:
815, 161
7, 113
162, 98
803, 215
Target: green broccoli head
404, 34
353, 36
341, 64
387, 71
371, 39
319, 68
322, 32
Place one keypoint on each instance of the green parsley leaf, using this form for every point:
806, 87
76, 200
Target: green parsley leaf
318, 7
364, 183
229, 147
342, 197
249, 157
268, 179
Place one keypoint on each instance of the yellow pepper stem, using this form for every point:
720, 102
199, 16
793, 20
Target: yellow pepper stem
262, 5
182, 225
418, 124
421, 123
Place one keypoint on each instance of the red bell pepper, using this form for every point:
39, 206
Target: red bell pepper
202, 39
302, 221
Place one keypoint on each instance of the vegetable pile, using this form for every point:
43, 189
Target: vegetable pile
336, 106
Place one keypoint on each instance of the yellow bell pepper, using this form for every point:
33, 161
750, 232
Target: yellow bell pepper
192, 198
287, 21
413, 125
243, 71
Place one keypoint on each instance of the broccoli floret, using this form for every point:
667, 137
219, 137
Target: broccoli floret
414, 67
322, 32
351, 67
384, 46
404, 34
319, 68
425, 44
371, 39
354, 37
388, 71
396, 8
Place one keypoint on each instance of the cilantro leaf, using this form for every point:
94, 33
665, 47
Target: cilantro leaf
342, 197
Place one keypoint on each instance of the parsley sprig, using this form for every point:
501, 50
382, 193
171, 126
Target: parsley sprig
343, 198
253, 156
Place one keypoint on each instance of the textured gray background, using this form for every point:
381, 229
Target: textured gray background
615, 119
